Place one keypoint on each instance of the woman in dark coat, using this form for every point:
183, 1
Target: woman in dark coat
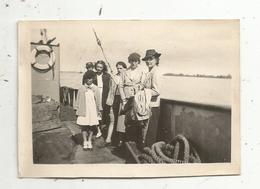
102, 80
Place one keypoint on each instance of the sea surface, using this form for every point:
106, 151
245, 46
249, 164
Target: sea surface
209, 91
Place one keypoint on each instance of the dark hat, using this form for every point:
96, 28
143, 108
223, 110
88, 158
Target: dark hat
151, 53
134, 57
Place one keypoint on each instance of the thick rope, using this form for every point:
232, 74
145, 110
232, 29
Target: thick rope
157, 147
145, 158
152, 153
160, 152
186, 150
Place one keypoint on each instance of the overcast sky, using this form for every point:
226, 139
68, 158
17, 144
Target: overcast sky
192, 47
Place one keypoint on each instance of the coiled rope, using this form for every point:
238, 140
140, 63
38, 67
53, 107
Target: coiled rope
177, 151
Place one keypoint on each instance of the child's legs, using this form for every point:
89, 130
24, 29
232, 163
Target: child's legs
90, 134
84, 133
91, 130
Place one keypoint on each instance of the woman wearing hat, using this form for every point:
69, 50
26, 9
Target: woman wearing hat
151, 82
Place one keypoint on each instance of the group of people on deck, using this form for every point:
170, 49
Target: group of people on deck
127, 102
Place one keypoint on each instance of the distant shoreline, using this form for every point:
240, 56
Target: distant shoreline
199, 75
179, 75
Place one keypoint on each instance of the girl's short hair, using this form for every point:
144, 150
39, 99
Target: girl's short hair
88, 75
89, 65
120, 63
134, 57
103, 63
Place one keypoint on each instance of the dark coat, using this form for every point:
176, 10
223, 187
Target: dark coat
106, 109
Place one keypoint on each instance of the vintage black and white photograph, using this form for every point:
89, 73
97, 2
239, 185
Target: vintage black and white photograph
131, 92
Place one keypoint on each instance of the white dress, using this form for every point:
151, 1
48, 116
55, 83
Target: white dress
91, 117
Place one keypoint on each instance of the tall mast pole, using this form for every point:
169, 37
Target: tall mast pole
99, 44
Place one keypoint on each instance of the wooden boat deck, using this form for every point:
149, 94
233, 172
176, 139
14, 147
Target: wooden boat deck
58, 147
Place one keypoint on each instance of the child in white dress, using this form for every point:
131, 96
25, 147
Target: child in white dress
88, 108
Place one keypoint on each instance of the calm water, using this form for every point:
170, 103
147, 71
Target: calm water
212, 91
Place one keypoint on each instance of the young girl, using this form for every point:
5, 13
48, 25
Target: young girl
88, 108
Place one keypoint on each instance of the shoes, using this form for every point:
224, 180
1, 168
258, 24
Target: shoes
90, 145
108, 140
85, 145
99, 134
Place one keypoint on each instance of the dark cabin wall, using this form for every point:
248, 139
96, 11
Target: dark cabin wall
44, 83
208, 128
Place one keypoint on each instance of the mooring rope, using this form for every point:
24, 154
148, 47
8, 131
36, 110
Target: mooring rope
179, 147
